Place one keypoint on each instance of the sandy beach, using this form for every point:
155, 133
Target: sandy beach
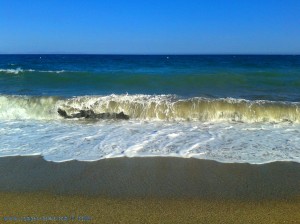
148, 190
150, 112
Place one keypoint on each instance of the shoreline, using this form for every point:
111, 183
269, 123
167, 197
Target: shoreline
151, 177
148, 190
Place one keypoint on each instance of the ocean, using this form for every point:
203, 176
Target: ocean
227, 108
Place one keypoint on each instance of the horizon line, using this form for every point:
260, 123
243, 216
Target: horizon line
157, 54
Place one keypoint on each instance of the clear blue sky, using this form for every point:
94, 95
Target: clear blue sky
150, 27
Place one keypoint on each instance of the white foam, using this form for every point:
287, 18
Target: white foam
12, 71
52, 71
68, 140
20, 70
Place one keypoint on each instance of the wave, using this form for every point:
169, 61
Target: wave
152, 107
12, 71
27, 107
20, 70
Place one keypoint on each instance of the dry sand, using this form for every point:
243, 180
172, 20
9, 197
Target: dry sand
151, 210
149, 190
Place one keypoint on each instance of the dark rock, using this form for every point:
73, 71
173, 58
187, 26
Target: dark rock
89, 114
122, 116
63, 113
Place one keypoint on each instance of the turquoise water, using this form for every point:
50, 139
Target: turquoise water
224, 107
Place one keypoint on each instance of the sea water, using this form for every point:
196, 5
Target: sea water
232, 108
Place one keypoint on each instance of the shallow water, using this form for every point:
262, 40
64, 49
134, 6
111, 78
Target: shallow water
89, 141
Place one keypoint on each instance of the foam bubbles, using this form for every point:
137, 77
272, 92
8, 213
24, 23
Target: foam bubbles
84, 141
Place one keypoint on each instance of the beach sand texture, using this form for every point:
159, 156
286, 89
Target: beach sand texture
150, 190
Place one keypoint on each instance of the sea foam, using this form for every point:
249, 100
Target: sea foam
228, 142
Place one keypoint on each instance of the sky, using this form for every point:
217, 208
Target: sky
150, 26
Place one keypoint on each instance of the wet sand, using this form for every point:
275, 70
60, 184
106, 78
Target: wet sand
150, 190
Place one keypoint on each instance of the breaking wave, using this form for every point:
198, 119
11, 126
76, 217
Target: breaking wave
152, 107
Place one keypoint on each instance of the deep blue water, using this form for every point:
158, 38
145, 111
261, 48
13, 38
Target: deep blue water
250, 77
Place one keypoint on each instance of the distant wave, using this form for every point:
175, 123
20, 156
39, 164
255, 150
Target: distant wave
152, 107
13, 71
59, 71
20, 70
